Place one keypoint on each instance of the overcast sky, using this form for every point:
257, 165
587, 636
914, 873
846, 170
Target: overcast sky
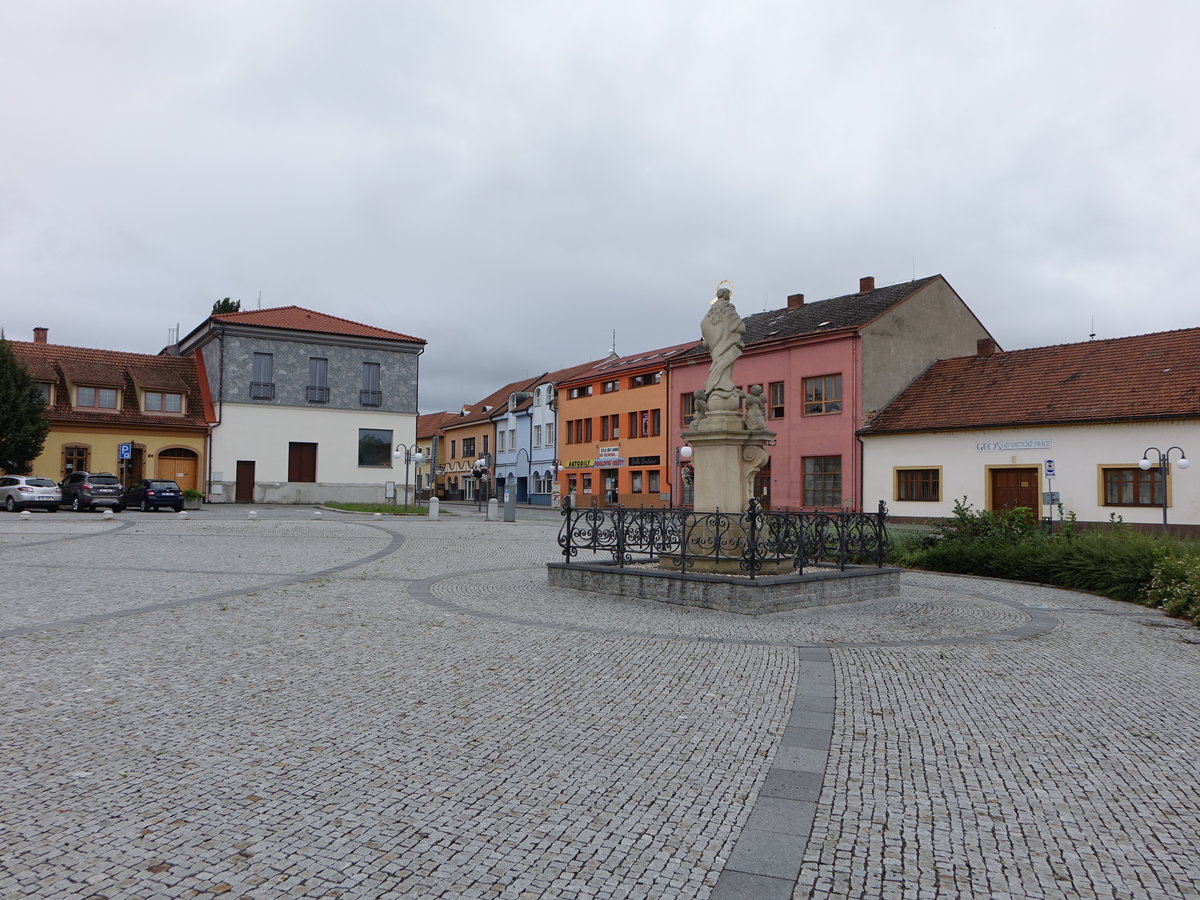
515, 181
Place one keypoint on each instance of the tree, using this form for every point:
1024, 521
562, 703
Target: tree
24, 423
226, 306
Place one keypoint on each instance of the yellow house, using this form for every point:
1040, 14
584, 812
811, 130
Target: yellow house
131, 414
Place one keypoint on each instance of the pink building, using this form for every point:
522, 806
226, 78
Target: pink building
825, 369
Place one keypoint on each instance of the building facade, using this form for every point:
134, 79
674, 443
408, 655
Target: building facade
129, 414
309, 407
1038, 428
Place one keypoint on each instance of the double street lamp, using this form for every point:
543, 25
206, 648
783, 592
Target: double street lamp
411, 455
480, 473
1164, 461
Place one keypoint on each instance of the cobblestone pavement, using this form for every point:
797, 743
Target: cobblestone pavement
355, 707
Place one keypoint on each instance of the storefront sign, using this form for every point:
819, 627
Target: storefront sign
645, 460
609, 458
578, 464
1006, 446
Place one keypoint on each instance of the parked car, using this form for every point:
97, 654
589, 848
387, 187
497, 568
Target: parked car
153, 494
19, 492
87, 490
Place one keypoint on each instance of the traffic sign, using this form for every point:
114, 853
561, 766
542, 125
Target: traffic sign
124, 451
1049, 468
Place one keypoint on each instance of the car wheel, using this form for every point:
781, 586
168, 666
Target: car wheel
118, 508
145, 505
9, 504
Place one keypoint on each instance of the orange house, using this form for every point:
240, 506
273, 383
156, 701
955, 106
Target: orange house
612, 431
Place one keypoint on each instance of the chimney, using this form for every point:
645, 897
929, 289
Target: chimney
40, 335
866, 284
985, 347
795, 301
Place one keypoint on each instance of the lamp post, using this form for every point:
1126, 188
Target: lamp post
479, 473
1164, 462
411, 455
683, 457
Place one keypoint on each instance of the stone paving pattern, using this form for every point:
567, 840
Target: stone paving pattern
354, 707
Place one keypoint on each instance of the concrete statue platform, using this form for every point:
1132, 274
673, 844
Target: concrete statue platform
728, 593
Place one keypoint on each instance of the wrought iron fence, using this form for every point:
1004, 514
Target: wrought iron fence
747, 542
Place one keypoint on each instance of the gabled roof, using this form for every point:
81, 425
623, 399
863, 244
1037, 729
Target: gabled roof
847, 311
482, 411
65, 366
1149, 376
297, 318
430, 424
613, 366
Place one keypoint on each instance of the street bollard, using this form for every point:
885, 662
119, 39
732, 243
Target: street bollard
434, 503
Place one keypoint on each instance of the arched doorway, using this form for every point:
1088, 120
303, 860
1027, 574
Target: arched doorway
180, 465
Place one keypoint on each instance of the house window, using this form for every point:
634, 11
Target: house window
656, 421
375, 448
918, 484
500, 441
776, 400
654, 484
582, 391
542, 482
604, 428
646, 379
822, 481
453, 449
371, 393
485, 443
262, 385
96, 398
1133, 487
537, 436
609, 386
161, 401
44, 387
687, 406
469, 447
318, 380
75, 459
822, 395
512, 438
537, 397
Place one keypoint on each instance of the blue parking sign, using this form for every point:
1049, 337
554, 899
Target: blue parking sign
124, 451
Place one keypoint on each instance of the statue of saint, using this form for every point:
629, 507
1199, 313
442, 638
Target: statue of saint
722, 329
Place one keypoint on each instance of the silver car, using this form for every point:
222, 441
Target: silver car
19, 492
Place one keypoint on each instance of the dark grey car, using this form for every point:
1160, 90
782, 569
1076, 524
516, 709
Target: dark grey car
88, 490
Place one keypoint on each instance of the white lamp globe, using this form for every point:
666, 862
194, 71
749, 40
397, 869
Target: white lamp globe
1184, 462
1144, 464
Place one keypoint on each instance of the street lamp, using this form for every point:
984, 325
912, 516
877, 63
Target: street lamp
480, 473
683, 457
1164, 461
411, 455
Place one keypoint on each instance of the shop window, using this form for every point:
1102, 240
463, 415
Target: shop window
635, 482
822, 481
653, 481
375, 447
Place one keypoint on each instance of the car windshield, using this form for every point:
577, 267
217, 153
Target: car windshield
163, 486
103, 479
40, 482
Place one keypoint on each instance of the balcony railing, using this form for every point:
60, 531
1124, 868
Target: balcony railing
317, 394
370, 398
262, 390
753, 539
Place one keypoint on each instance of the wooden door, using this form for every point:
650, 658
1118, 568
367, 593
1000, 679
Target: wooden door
243, 491
762, 485
1013, 488
180, 469
302, 462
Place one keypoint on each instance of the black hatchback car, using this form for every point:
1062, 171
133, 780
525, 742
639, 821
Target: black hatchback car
87, 490
153, 494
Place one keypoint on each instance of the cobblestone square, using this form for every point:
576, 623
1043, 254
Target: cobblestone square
360, 707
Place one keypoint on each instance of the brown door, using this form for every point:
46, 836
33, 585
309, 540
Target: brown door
243, 491
1012, 488
302, 462
762, 486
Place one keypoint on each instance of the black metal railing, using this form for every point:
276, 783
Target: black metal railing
315, 394
746, 542
262, 390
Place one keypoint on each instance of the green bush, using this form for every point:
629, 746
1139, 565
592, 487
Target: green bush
1113, 560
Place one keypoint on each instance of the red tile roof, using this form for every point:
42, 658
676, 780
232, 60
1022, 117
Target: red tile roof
1149, 376
297, 318
635, 362
63, 366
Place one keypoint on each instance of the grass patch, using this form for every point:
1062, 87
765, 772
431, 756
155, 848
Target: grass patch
387, 509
